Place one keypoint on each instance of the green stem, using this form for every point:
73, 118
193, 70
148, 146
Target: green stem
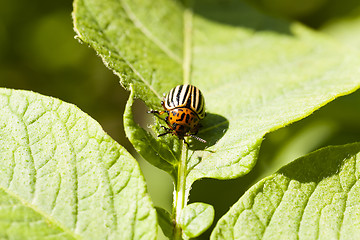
180, 194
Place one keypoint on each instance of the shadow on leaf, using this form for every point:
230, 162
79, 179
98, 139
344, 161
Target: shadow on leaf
213, 128
239, 14
328, 162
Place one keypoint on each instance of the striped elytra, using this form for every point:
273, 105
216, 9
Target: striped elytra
186, 96
185, 106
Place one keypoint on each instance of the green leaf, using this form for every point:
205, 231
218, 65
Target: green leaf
20, 221
196, 218
63, 177
165, 222
314, 197
157, 152
257, 73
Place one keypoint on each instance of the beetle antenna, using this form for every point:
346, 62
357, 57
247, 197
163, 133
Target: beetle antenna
197, 138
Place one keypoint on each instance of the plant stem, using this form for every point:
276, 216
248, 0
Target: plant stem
180, 196
180, 193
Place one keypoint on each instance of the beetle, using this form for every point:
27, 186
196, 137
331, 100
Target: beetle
185, 106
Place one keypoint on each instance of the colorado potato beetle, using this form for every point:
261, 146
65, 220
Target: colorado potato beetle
185, 106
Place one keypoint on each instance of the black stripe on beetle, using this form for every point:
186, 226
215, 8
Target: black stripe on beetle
187, 96
185, 106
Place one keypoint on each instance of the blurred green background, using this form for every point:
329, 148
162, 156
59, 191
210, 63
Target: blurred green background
38, 52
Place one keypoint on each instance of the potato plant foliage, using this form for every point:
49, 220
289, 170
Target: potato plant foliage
63, 177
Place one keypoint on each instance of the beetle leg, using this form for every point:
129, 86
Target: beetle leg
163, 134
156, 112
187, 144
168, 130
165, 128
163, 104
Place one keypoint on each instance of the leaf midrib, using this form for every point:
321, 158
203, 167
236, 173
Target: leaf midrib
188, 15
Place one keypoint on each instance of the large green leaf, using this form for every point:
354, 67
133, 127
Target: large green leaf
257, 73
63, 177
314, 197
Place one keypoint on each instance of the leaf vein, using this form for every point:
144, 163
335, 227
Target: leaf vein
33, 171
108, 180
273, 212
40, 212
188, 15
74, 173
303, 210
346, 203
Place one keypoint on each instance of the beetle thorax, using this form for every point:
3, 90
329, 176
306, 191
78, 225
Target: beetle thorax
183, 120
